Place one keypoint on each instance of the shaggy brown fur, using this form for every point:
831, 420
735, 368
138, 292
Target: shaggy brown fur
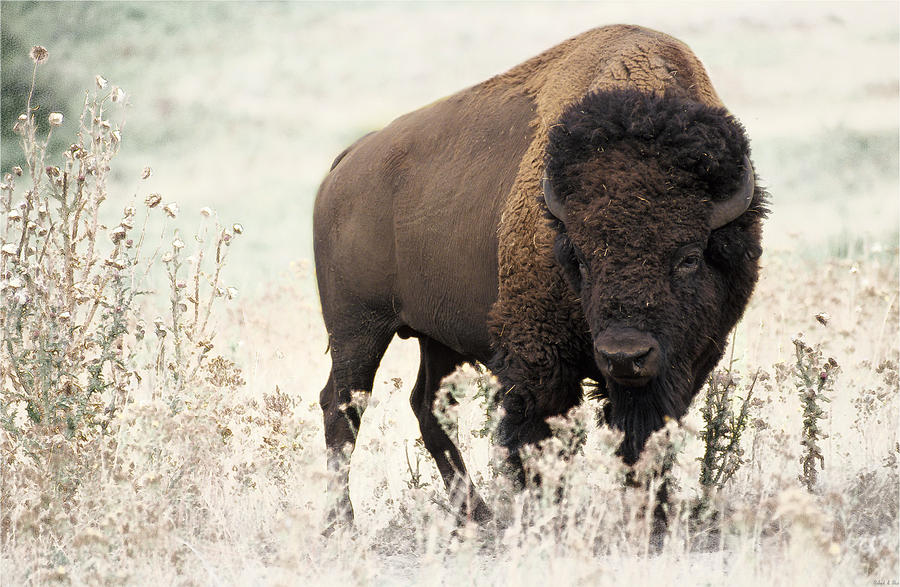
435, 227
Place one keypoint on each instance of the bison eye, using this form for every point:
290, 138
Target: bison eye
689, 262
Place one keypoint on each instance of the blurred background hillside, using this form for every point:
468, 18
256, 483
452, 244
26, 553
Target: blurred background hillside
243, 106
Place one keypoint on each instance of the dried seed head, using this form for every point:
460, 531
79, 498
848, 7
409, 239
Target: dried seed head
177, 244
823, 318
55, 119
115, 263
9, 249
237, 228
231, 293
14, 215
101, 82
118, 94
21, 123
52, 171
171, 209
39, 54
116, 136
153, 200
65, 316
18, 171
206, 212
146, 173
117, 234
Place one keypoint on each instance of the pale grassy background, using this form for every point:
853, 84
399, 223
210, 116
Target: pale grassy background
243, 106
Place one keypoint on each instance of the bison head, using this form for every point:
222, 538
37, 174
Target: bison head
654, 203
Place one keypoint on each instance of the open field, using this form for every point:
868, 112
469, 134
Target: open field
219, 478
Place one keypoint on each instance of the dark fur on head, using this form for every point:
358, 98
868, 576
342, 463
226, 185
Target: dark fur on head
637, 174
706, 142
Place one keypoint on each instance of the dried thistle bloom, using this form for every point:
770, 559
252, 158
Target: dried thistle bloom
19, 126
101, 82
117, 234
153, 200
115, 263
237, 228
171, 209
39, 54
146, 173
55, 118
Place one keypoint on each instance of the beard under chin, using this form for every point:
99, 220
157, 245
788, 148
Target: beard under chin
641, 411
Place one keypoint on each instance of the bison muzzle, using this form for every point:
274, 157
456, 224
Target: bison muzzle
592, 213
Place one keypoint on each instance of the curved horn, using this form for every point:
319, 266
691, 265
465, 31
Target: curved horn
555, 206
728, 210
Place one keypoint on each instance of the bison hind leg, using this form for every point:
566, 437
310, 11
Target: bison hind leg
354, 361
436, 362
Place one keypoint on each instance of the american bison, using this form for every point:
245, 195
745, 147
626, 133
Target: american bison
589, 214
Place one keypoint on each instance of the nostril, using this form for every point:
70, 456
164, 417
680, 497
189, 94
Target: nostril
639, 360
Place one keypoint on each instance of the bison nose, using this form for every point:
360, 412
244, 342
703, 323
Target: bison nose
628, 356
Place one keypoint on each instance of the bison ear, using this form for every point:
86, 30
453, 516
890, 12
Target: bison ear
568, 262
732, 247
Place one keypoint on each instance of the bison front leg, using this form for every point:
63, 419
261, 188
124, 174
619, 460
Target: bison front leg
438, 361
526, 409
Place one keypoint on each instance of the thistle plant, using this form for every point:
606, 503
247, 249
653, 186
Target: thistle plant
73, 340
725, 417
66, 294
814, 378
